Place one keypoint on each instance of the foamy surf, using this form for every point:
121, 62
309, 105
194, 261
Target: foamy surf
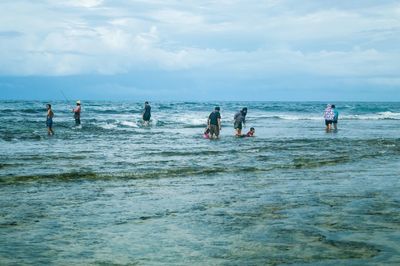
129, 124
378, 116
107, 126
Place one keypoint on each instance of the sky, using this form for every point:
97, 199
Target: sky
200, 50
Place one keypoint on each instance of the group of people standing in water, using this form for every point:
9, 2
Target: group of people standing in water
50, 115
212, 131
214, 124
331, 116
146, 115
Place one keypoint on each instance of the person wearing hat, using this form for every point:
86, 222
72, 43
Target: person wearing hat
77, 113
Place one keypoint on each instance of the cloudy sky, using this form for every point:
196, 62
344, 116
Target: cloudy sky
200, 50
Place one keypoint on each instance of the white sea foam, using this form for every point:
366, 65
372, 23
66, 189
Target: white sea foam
286, 116
192, 119
304, 116
377, 116
129, 124
298, 117
108, 126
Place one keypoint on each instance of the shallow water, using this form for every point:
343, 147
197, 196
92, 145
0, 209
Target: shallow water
115, 192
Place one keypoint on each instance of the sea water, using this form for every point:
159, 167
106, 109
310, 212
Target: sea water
116, 192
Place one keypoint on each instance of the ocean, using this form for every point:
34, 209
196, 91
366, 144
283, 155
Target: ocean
115, 192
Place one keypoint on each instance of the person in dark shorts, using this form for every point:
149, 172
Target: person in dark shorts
214, 123
239, 121
77, 113
49, 120
328, 116
335, 117
146, 113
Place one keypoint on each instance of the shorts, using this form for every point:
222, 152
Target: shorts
334, 121
238, 125
214, 130
49, 123
328, 122
77, 121
146, 117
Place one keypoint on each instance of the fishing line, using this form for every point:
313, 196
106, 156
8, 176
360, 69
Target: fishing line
65, 97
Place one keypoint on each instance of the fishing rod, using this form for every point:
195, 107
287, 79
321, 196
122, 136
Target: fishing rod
65, 97
68, 101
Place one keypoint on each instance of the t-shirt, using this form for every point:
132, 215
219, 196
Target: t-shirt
249, 134
77, 112
328, 115
336, 115
239, 118
214, 116
147, 109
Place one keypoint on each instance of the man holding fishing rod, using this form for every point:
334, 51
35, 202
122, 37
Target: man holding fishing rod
77, 113
76, 110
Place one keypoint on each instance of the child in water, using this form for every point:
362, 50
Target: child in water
206, 134
249, 134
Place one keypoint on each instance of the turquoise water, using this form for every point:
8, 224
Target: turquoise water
115, 192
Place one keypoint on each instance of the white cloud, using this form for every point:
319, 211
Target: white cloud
256, 38
79, 3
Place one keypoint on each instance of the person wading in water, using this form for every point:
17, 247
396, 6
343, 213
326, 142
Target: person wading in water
77, 113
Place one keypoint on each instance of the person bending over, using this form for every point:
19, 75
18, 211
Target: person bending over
239, 121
